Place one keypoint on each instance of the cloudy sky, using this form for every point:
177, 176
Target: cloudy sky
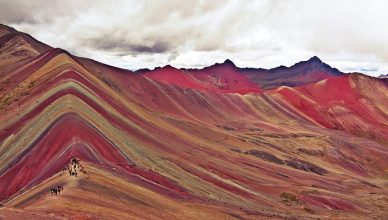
351, 35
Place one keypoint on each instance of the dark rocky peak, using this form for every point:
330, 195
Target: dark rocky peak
310, 65
229, 62
314, 59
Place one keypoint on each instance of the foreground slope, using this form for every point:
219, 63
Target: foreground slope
156, 149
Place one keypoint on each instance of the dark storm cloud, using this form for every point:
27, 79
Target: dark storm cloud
156, 47
122, 46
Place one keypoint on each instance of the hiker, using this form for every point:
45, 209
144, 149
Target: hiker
59, 189
54, 191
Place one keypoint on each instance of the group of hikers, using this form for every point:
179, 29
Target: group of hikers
74, 167
56, 190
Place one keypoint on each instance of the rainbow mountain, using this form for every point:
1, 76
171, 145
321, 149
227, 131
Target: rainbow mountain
221, 142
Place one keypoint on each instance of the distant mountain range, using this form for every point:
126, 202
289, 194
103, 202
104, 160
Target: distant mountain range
383, 76
226, 77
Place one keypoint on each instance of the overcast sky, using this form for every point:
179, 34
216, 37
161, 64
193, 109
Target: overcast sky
351, 35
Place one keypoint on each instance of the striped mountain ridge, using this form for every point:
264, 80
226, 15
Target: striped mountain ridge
155, 149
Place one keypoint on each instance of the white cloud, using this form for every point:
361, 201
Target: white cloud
348, 34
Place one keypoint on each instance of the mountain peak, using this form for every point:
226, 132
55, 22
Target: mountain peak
168, 66
228, 61
315, 59
314, 63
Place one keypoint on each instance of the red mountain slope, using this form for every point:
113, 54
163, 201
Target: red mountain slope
223, 78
